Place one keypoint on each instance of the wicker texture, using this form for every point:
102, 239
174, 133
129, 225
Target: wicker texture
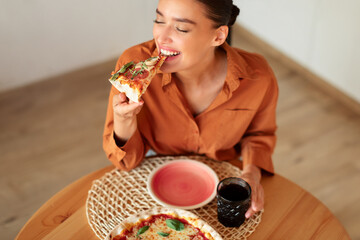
119, 194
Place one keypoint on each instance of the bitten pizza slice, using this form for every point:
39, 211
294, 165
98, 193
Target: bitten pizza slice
134, 78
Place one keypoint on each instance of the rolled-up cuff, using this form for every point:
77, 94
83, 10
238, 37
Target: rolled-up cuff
129, 155
259, 157
134, 151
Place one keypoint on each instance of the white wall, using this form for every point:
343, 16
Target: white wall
44, 38
322, 35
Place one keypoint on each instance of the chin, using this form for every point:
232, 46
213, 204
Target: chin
168, 69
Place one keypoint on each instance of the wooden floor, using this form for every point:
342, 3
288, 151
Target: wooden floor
51, 136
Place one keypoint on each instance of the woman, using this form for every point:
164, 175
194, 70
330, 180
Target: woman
210, 98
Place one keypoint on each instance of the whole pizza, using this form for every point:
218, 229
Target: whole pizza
163, 223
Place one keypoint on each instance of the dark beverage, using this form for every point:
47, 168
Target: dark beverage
233, 200
234, 192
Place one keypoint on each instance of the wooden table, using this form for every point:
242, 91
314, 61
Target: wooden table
290, 213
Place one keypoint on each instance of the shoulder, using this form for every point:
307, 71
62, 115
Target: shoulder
136, 53
248, 65
253, 62
254, 67
252, 70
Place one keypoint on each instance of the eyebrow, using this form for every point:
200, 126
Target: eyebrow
184, 20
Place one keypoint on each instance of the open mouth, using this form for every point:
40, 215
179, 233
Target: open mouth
168, 53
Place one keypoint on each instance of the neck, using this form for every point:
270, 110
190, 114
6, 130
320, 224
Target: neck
203, 72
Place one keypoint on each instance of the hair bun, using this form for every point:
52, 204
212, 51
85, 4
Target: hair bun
235, 11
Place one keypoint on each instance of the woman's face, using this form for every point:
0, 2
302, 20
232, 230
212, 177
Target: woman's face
181, 28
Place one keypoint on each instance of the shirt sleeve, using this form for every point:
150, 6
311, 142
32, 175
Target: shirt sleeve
258, 142
129, 155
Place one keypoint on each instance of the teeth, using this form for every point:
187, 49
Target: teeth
168, 53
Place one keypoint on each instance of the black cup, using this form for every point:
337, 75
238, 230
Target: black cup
233, 200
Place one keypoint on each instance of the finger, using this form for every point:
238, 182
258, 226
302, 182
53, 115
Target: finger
260, 202
254, 195
258, 205
249, 212
130, 107
128, 110
140, 102
119, 99
131, 101
123, 97
251, 209
138, 109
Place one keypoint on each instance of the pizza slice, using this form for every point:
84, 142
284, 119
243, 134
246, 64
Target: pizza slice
162, 223
134, 78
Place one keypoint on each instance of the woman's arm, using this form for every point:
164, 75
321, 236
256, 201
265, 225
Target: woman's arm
258, 142
122, 141
258, 145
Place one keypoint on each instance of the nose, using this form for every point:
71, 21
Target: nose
163, 35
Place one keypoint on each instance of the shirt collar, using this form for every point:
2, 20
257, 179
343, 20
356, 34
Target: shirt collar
237, 68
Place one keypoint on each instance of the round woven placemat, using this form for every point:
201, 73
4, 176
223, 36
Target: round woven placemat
119, 194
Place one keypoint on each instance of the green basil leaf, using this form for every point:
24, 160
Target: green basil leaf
115, 76
126, 66
142, 230
163, 234
151, 58
175, 224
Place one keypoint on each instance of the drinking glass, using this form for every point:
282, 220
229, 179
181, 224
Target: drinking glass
233, 200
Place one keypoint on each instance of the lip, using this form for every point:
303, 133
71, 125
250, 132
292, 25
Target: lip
168, 49
170, 58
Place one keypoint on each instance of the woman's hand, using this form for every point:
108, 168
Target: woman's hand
252, 175
125, 112
125, 109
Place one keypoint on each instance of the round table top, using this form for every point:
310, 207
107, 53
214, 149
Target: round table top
290, 213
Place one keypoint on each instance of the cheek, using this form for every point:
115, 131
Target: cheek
155, 31
196, 45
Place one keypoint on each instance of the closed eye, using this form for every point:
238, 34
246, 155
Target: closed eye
239, 109
158, 22
181, 30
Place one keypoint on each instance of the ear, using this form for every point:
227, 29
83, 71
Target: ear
221, 34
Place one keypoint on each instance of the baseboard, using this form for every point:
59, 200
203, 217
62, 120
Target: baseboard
319, 82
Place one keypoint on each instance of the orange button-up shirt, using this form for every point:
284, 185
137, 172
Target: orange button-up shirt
239, 122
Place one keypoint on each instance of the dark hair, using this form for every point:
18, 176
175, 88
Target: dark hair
222, 12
